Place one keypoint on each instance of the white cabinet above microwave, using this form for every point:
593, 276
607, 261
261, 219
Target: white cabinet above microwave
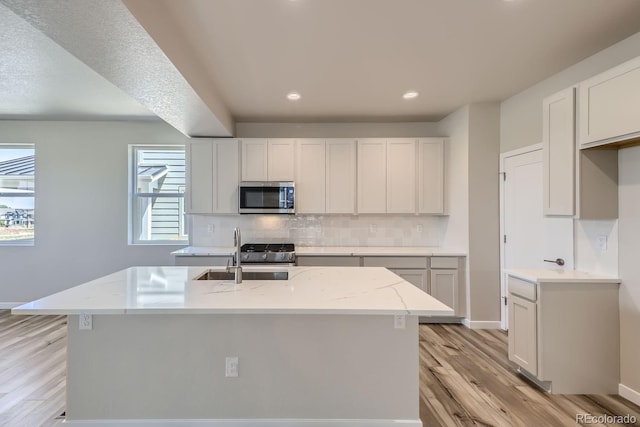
268, 159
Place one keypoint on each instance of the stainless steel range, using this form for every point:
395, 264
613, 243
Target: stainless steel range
271, 253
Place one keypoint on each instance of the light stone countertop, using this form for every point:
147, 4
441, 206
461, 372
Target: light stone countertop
376, 251
332, 251
309, 290
561, 276
205, 251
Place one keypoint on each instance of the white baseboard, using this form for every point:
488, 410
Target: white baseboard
629, 393
245, 423
481, 324
9, 305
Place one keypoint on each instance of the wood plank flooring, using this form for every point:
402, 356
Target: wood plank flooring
465, 379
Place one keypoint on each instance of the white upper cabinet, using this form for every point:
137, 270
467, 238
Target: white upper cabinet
609, 104
268, 159
200, 181
372, 175
340, 189
254, 159
559, 151
212, 176
281, 159
431, 186
227, 175
310, 176
401, 175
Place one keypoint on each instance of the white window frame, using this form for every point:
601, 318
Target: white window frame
135, 196
21, 242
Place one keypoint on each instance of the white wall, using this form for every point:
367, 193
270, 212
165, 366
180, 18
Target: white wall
629, 248
473, 222
484, 212
336, 130
81, 205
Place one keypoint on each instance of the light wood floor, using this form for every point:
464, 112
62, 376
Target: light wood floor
465, 379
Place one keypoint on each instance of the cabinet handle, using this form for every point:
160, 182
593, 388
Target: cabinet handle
558, 261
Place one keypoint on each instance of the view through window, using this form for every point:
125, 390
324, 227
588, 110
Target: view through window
17, 194
157, 205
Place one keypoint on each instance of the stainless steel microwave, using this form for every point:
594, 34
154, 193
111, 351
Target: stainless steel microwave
267, 197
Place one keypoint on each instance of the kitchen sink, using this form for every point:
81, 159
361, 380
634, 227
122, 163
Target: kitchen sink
246, 275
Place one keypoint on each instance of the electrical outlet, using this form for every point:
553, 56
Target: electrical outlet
86, 322
231, 367
601, 242
211, 228
419, 228
373, 228
399, 321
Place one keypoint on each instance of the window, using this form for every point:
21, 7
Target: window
157, 176
17, 194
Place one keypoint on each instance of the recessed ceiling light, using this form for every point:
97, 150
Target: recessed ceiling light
410, 94
293, 96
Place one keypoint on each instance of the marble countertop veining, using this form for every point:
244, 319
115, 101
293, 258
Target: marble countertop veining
309, 290
561, 276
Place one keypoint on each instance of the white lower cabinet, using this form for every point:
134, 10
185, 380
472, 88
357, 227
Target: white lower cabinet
327, 261
443, 286
443, 281
416, 277
564, 335
523, 347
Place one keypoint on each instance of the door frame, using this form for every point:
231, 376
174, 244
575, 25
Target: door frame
503, 284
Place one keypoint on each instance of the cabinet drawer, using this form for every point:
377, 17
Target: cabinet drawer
444, 262
521, 288
395, 262
328, 261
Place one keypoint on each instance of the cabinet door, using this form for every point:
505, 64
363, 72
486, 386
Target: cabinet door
254, 159
416, 277
609, 105
559, 152
310, 176
280, 159
372, 175
523, 348
340, 176
227, 165
401, 175
444, 287
431, 176
200, 176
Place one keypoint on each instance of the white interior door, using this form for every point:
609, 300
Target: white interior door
529, 237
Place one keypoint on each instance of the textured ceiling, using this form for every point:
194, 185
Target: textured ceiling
42, 80
119, 57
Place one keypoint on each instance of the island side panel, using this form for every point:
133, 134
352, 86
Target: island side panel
290, 366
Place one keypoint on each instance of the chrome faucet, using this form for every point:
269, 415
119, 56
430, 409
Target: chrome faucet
237, 242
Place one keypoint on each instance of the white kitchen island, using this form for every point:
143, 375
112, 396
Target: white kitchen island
330, 346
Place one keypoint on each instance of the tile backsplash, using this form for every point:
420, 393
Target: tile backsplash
320, 230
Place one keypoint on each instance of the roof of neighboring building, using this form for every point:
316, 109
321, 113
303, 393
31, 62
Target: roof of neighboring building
20, 166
